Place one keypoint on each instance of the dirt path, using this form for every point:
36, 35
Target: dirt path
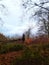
5, 59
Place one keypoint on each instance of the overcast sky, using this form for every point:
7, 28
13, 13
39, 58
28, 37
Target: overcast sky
13, 18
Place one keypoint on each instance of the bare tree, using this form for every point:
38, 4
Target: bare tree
3, 11
28, 33
41, 13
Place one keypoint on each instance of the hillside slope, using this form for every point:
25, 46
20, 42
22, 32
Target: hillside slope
2, 37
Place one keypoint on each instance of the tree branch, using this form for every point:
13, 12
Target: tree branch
41, 7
